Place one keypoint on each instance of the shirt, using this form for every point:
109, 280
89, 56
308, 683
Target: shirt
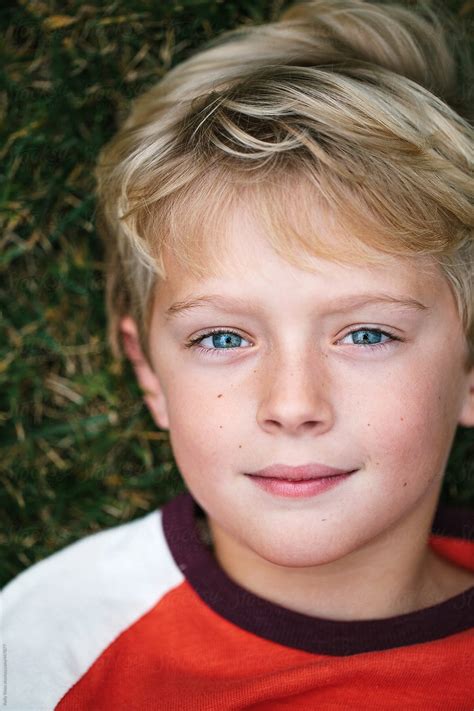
141, 616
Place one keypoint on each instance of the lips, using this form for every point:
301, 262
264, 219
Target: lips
299, 473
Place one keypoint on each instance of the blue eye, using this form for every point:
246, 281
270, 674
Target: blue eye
227, 339
370, 337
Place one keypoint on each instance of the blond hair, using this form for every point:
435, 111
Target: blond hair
345, 104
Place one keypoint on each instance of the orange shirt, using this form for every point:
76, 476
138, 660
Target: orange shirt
142, 617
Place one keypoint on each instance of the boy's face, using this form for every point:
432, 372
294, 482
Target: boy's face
295, 386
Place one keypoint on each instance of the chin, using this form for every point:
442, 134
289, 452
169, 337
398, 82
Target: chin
299, 555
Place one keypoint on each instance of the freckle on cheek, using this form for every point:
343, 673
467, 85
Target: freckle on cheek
220, 395
240, 446
405, 484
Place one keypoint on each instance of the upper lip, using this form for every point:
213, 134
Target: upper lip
305, 471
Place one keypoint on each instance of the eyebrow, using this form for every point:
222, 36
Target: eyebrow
346, 303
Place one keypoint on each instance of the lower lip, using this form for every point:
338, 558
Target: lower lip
298, 489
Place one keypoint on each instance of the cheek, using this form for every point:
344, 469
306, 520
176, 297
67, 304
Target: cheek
204, 424
411, 426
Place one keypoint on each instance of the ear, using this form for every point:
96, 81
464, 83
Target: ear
147, 379
466, 418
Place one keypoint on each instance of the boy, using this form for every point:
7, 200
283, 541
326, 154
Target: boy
295, 193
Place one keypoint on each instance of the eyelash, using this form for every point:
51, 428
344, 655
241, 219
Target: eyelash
193, 342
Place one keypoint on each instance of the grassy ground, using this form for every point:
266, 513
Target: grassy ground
79, 451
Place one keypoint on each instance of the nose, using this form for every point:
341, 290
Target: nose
295, 395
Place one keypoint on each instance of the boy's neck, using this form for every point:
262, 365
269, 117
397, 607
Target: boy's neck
393, 575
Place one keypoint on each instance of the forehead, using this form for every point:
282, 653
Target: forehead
244, 257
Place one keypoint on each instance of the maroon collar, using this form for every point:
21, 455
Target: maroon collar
312, 634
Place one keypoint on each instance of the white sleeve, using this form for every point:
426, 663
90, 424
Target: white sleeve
59, 615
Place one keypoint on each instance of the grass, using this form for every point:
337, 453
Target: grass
79, 451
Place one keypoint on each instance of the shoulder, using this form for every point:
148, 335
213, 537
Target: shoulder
61, 613
135, 554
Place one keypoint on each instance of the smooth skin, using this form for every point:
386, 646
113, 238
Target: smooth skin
300, 382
